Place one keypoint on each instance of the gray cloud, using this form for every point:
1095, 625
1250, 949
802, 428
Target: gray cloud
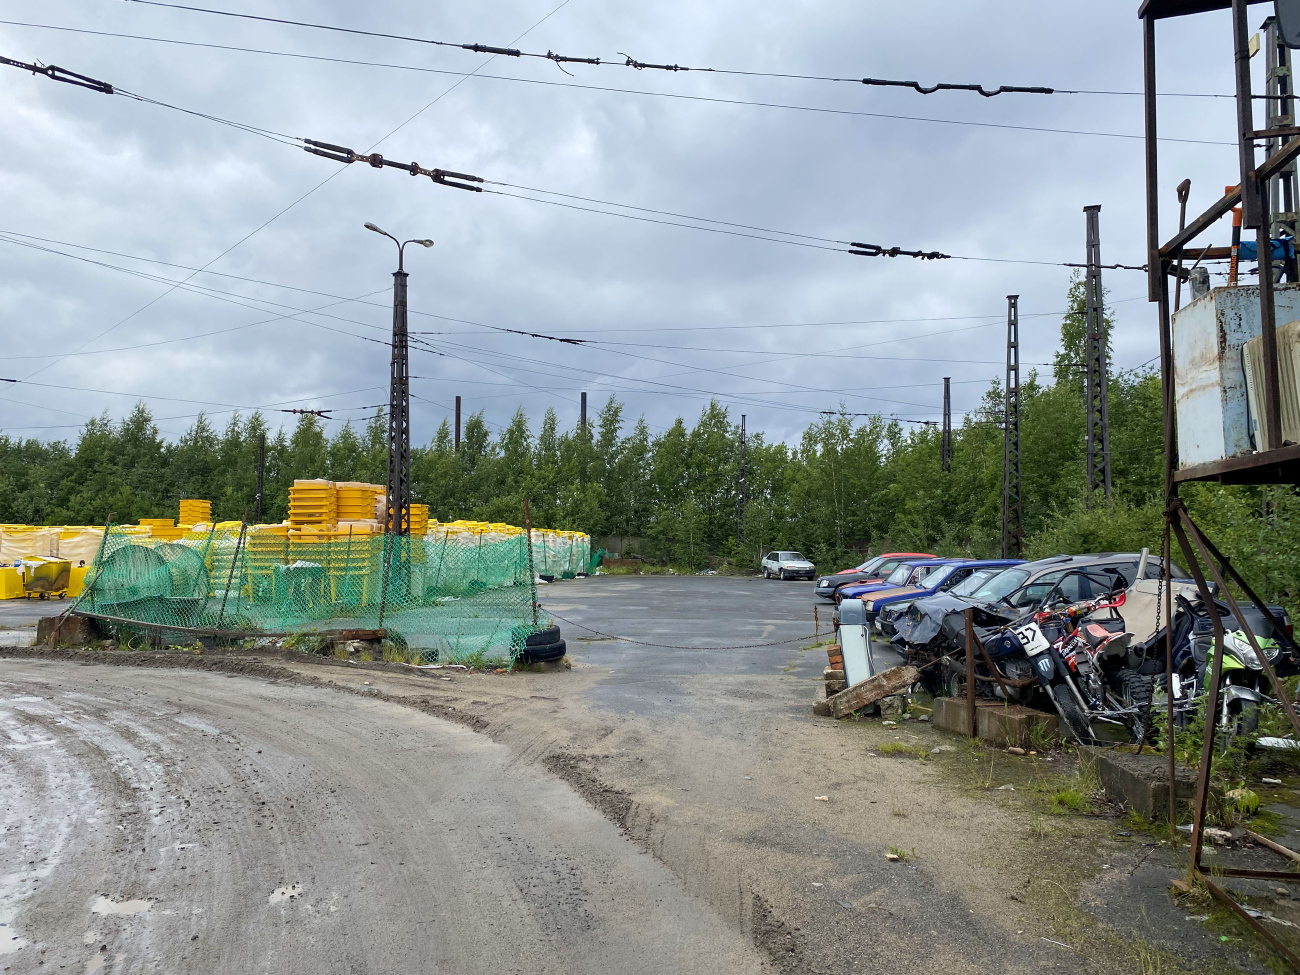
118, 175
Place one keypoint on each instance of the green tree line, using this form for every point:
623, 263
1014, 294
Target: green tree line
846, 486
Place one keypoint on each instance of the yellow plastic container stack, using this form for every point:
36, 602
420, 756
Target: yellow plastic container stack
194, 512
312, 503
419, 519
356, 501
162, 528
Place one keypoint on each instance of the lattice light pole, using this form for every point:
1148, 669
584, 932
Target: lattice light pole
397, 518
947, 446
1013, 540
740, 490
1095, 364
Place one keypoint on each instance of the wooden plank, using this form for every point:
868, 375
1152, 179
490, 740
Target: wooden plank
893, 681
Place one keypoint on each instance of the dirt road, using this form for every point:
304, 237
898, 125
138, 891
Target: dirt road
181, 821
653, 809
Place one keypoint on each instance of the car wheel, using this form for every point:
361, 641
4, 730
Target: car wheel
781, 574
765, 574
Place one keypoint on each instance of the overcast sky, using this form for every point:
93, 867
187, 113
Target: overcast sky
675, 316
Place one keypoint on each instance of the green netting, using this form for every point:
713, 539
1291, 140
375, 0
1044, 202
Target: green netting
448, 595
561, 554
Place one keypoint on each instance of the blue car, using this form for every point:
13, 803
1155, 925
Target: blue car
941, 578
906, 575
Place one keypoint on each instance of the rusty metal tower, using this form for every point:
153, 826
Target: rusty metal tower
1095, 364
1013, 539
945, 450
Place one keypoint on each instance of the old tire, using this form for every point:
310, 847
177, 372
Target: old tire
781, 574
1074, 715
546, 644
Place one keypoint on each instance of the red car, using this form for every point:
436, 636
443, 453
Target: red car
875, 569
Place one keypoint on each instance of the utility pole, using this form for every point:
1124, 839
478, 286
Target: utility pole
397, 520
582, 416
261, 468
1280, 112
1095, 351
946, 448
458, 424
1012, 513
740, 493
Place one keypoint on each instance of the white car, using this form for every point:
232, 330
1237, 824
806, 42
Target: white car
787, 565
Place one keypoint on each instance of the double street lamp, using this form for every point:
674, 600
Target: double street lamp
397, 518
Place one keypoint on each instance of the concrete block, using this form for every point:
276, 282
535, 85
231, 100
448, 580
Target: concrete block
893, 681
950, 713
820, 707
1011, 724
1141, 782
830, 673
996, 722
76, 631
835, 686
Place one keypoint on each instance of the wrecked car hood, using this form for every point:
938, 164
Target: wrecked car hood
941, 615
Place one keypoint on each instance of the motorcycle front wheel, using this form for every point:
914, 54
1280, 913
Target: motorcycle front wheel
1073, 714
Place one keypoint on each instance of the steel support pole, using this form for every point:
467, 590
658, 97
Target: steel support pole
1252, 207
1095, 350
1155, 269
261, 470
1012, 511
970, 673
582, 415
740, 491
398, 519
946, 448
458, 424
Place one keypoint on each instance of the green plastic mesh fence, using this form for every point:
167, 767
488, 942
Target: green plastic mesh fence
448, 596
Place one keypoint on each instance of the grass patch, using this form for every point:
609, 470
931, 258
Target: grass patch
898, 853
900, 813
1067, 800
899, 748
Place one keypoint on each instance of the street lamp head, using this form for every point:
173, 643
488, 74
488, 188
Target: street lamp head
423, 243
371, 226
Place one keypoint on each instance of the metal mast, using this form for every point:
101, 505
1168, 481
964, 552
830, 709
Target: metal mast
1280, 111
1012, 512
1095, 354
740, 493
398, 520
945, 451
261, 470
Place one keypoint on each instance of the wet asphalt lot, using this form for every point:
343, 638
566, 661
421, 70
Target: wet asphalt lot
683, 617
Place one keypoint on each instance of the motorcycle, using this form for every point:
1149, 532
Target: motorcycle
1243, 685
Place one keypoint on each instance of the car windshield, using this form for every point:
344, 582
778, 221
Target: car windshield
791, 557
1001, 585
935, 578
899, 576
973, 581
870, 564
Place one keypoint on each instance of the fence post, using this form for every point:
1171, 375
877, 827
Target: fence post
970, 670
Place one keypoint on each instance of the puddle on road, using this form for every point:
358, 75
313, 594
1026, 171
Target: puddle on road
9, 943
106, 905
282, 894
